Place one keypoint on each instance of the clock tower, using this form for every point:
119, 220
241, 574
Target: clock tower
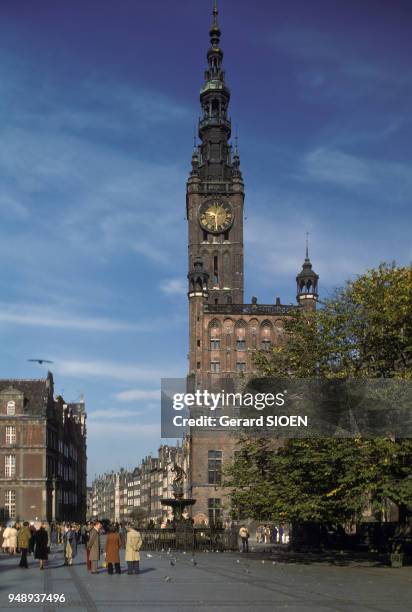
215, 191
224, 332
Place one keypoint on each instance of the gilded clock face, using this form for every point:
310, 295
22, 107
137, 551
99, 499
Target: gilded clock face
215, 216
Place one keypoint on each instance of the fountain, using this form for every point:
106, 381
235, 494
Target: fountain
178, 503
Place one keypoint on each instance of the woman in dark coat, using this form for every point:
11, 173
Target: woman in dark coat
41, 545
112, 551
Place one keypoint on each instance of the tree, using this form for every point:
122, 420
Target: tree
363, 331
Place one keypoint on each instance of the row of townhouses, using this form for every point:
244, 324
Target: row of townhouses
126, 494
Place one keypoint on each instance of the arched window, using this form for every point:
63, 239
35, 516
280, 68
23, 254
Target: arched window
266, 335
240, 331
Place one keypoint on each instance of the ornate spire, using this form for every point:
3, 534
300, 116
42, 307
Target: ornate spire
215, 30
307, 280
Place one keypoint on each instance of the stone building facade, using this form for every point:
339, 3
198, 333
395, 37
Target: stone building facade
42, 453
114, 495
224, 331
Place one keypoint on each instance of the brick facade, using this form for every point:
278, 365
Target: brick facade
224, 332
42, 453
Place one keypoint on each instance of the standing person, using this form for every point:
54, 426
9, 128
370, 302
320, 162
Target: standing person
244, 535
93, 546
281, 532
41, 545
133, 545
122, 535
24, 539
112, 550
33, 535
83, 534
69, 545
275, 534
53, 535
87, 537
12, 539
5, 543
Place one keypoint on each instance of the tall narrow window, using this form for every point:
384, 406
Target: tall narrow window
10, 503
226, 270
11, 408
215, 270
10, 466
10, 434
214, 467
214, 510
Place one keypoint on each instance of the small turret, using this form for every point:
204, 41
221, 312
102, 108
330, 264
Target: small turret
307, 283
198, 280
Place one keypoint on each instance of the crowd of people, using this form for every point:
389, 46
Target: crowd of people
41, 539
266, 534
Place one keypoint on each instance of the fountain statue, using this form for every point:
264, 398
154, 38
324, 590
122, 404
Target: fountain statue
178, 503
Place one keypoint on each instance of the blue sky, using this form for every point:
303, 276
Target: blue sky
98, 104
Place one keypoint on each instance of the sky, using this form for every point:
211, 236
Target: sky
98, 104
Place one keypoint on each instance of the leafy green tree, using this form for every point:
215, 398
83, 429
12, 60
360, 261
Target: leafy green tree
363, 331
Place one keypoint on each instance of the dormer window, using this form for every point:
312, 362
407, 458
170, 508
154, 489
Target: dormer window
11, 408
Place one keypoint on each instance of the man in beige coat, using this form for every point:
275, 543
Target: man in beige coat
133, 545
93, 546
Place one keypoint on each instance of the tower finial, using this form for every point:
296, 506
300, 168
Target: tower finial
215, 30
307, 245
215, 13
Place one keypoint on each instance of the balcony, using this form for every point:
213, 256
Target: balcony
250, 309
215, 121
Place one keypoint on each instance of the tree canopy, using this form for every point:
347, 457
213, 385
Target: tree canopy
363, 331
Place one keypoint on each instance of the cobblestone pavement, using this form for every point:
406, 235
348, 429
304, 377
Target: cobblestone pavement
210, 581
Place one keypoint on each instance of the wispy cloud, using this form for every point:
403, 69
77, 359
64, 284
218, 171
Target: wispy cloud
137, 430
333, 65
112, 414
173, 286
351, 171
137, 395
44, 316
115, 371
10, 206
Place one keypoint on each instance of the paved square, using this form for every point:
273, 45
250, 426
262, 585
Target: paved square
210, 581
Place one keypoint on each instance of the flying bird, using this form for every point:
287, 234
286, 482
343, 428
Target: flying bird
40, 361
